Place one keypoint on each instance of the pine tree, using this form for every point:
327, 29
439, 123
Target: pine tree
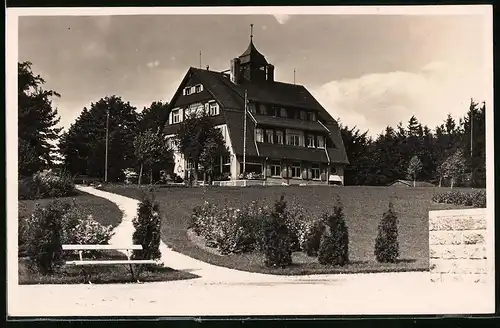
37, 121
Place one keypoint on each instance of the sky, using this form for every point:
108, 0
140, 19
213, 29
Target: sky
369, 71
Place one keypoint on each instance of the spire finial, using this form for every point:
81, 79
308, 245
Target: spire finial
251, 32
294, 76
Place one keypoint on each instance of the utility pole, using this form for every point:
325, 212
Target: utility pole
107, 139
245, 134
294, 76
200, 59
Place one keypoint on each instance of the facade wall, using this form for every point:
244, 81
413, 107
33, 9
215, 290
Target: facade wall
458, 245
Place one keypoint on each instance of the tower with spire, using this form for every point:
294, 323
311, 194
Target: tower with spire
251, 65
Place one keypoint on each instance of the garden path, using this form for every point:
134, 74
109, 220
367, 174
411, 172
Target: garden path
175, 260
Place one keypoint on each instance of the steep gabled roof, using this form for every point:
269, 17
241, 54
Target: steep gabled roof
231, 97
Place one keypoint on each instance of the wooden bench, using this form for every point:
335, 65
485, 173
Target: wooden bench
83, 262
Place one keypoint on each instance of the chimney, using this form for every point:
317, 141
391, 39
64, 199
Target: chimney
270, 73
235, 70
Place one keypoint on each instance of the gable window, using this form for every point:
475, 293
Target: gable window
303, 115
315, 172
279, 137
296, 170
311, 116
283, 112
213, 109
176, 117
263, 109
198, 88
321, 142
269, 136
187, 91
259, 136
310, 141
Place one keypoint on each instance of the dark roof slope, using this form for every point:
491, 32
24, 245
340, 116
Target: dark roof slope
289, 123
252, 55
291, 152
231, 97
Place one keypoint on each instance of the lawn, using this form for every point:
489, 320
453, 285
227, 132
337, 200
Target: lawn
363, 207
106, 213
102, 210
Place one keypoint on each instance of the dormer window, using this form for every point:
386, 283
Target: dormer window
311, 116
321, 142
197, 88
303, 115
187, 91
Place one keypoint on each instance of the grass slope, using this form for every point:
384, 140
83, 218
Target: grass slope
101, 209
363, 207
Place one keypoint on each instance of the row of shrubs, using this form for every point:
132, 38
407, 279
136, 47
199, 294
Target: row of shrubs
42, 233
46, 184
466, 198
278, 230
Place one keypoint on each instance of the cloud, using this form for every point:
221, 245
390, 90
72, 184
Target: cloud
153, 64
373, 101
282, 19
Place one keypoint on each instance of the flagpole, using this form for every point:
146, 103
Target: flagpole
245, 134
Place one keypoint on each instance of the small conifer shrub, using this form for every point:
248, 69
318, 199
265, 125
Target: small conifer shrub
147, 226
386, 243
334, 247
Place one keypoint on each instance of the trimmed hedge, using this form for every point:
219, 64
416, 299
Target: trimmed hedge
472, 198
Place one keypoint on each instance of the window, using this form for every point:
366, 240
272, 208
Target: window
261, 109
283, 112
279, 137
197, 88
310, 141
315, 171
213, 109
176, 117
259, 137
269, 136
187, 91
296, 170
303, 115
275, 169
321, 142
293, 139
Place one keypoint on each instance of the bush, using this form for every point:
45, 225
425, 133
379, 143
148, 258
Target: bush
147, 226
386, 243
43, 237
276, 237
295, 220
334, 247
47, 184
78, 228
312, 236
473, 198
22, 227
26, 188
228, 229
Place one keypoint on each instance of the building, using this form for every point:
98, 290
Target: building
290, 137
408, 183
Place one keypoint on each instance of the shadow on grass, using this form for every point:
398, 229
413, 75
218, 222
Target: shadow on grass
99, 275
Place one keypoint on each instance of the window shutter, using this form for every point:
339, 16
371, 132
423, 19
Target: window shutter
304, 173
268, 170
309, 173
